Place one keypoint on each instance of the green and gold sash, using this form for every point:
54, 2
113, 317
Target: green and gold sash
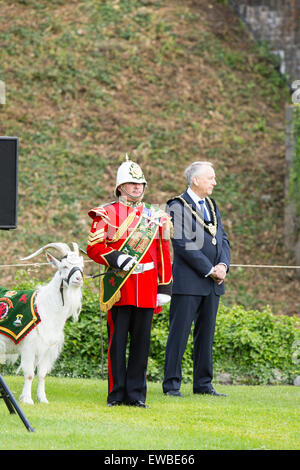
18, 313
135, 245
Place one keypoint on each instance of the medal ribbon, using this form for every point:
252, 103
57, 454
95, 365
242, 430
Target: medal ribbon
135, 245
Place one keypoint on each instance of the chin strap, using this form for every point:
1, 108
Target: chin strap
130, 195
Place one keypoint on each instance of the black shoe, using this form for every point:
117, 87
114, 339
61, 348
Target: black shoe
137, 403
174, 393
114, 403
211, 392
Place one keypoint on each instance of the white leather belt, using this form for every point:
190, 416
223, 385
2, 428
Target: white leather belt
141, 268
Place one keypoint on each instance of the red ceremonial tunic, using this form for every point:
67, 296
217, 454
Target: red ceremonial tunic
111, 226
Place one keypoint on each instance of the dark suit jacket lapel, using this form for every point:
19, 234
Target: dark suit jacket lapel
195, 206
190, 201
219, 234
209, 209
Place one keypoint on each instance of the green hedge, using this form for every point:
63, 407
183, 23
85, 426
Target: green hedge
254, 346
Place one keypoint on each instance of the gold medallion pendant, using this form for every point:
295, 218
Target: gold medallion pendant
213, 231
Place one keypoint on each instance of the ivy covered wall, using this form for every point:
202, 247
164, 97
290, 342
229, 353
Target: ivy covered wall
294, 179
292, 182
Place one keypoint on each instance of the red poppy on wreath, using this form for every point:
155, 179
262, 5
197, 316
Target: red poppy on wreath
3, 310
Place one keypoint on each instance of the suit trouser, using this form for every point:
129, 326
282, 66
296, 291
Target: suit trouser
184, 310
128, 383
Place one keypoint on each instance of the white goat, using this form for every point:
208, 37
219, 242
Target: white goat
55, 302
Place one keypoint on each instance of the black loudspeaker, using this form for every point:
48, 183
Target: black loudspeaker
8, 182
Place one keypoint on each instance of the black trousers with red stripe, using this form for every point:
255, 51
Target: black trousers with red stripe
127, 381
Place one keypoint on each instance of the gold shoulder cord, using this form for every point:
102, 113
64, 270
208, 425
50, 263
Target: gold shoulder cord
123, 227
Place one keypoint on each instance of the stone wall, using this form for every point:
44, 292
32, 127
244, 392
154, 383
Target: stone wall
278, 22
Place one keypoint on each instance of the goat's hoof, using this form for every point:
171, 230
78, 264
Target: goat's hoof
43, 400
26, 401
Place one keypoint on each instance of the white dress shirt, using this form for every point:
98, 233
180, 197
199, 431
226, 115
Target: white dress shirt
196, 200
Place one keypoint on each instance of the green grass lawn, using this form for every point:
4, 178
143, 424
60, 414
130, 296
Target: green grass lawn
251, 417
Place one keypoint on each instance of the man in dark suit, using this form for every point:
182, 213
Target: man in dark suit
201, 261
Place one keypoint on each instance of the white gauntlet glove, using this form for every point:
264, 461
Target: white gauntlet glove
162, 299
126, 262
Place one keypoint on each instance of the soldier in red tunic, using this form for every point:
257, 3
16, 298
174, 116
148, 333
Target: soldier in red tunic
132, 237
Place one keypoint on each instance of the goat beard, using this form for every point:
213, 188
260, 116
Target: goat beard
74, 301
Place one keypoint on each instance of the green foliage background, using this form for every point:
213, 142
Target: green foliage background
254, 346
88, 81
167, 82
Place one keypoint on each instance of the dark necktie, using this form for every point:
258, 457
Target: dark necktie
204, 211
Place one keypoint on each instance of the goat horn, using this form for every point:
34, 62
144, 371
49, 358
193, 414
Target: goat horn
61, 247
75, 248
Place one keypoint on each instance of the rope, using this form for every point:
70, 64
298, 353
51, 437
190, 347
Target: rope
263, 266
28, 264
19, 265
268, 266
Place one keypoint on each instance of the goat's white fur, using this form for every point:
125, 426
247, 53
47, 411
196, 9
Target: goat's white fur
42, 346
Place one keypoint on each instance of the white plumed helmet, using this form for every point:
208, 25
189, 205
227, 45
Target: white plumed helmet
129, 172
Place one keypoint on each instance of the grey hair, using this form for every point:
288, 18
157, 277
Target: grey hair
194, 169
